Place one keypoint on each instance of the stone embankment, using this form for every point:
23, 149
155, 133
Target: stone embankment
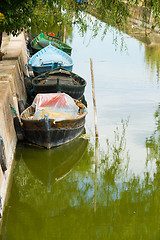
12, 89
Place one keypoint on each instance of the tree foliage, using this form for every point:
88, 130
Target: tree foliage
17, 15
26, 13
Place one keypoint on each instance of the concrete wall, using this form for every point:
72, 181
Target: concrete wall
12, 89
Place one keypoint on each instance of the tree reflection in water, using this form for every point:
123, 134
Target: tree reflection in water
152, 58
116, 155
127, 207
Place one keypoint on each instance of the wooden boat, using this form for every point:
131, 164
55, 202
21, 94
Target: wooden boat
43, 40
50, 58
82, 1
61, 80
53, 119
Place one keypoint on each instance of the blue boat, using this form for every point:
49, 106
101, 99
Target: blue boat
50, 58
82, 1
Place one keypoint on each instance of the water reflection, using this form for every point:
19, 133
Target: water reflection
124, 187
114, 163
40, 209
153, 142
96, 170
51, 166
36, 172
152, 58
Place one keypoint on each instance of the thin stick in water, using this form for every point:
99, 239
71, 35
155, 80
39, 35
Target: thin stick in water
94, 99
96, 134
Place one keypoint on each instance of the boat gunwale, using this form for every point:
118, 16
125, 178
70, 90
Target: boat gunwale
79, 117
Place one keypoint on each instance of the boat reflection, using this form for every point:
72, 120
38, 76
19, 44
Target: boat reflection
53, 165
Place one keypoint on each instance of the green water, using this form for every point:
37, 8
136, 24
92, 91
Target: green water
108, 189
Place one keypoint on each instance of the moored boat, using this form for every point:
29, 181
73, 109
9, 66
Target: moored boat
82, 1
61, 80
53, 119
43, 40
50, 58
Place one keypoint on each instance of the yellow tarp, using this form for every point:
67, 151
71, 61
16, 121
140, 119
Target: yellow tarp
52, 115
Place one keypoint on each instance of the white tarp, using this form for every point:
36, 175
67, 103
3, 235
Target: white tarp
57, 106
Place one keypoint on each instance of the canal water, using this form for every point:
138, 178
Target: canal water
97, 189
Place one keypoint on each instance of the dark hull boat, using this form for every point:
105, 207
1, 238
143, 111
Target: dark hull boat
49, 127
59, 80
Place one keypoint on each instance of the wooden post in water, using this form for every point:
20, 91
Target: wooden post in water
94, 99
96, 136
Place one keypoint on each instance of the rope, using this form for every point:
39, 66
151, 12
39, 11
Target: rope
14, 110
22, 99
28, 66
27, 76
32, 90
